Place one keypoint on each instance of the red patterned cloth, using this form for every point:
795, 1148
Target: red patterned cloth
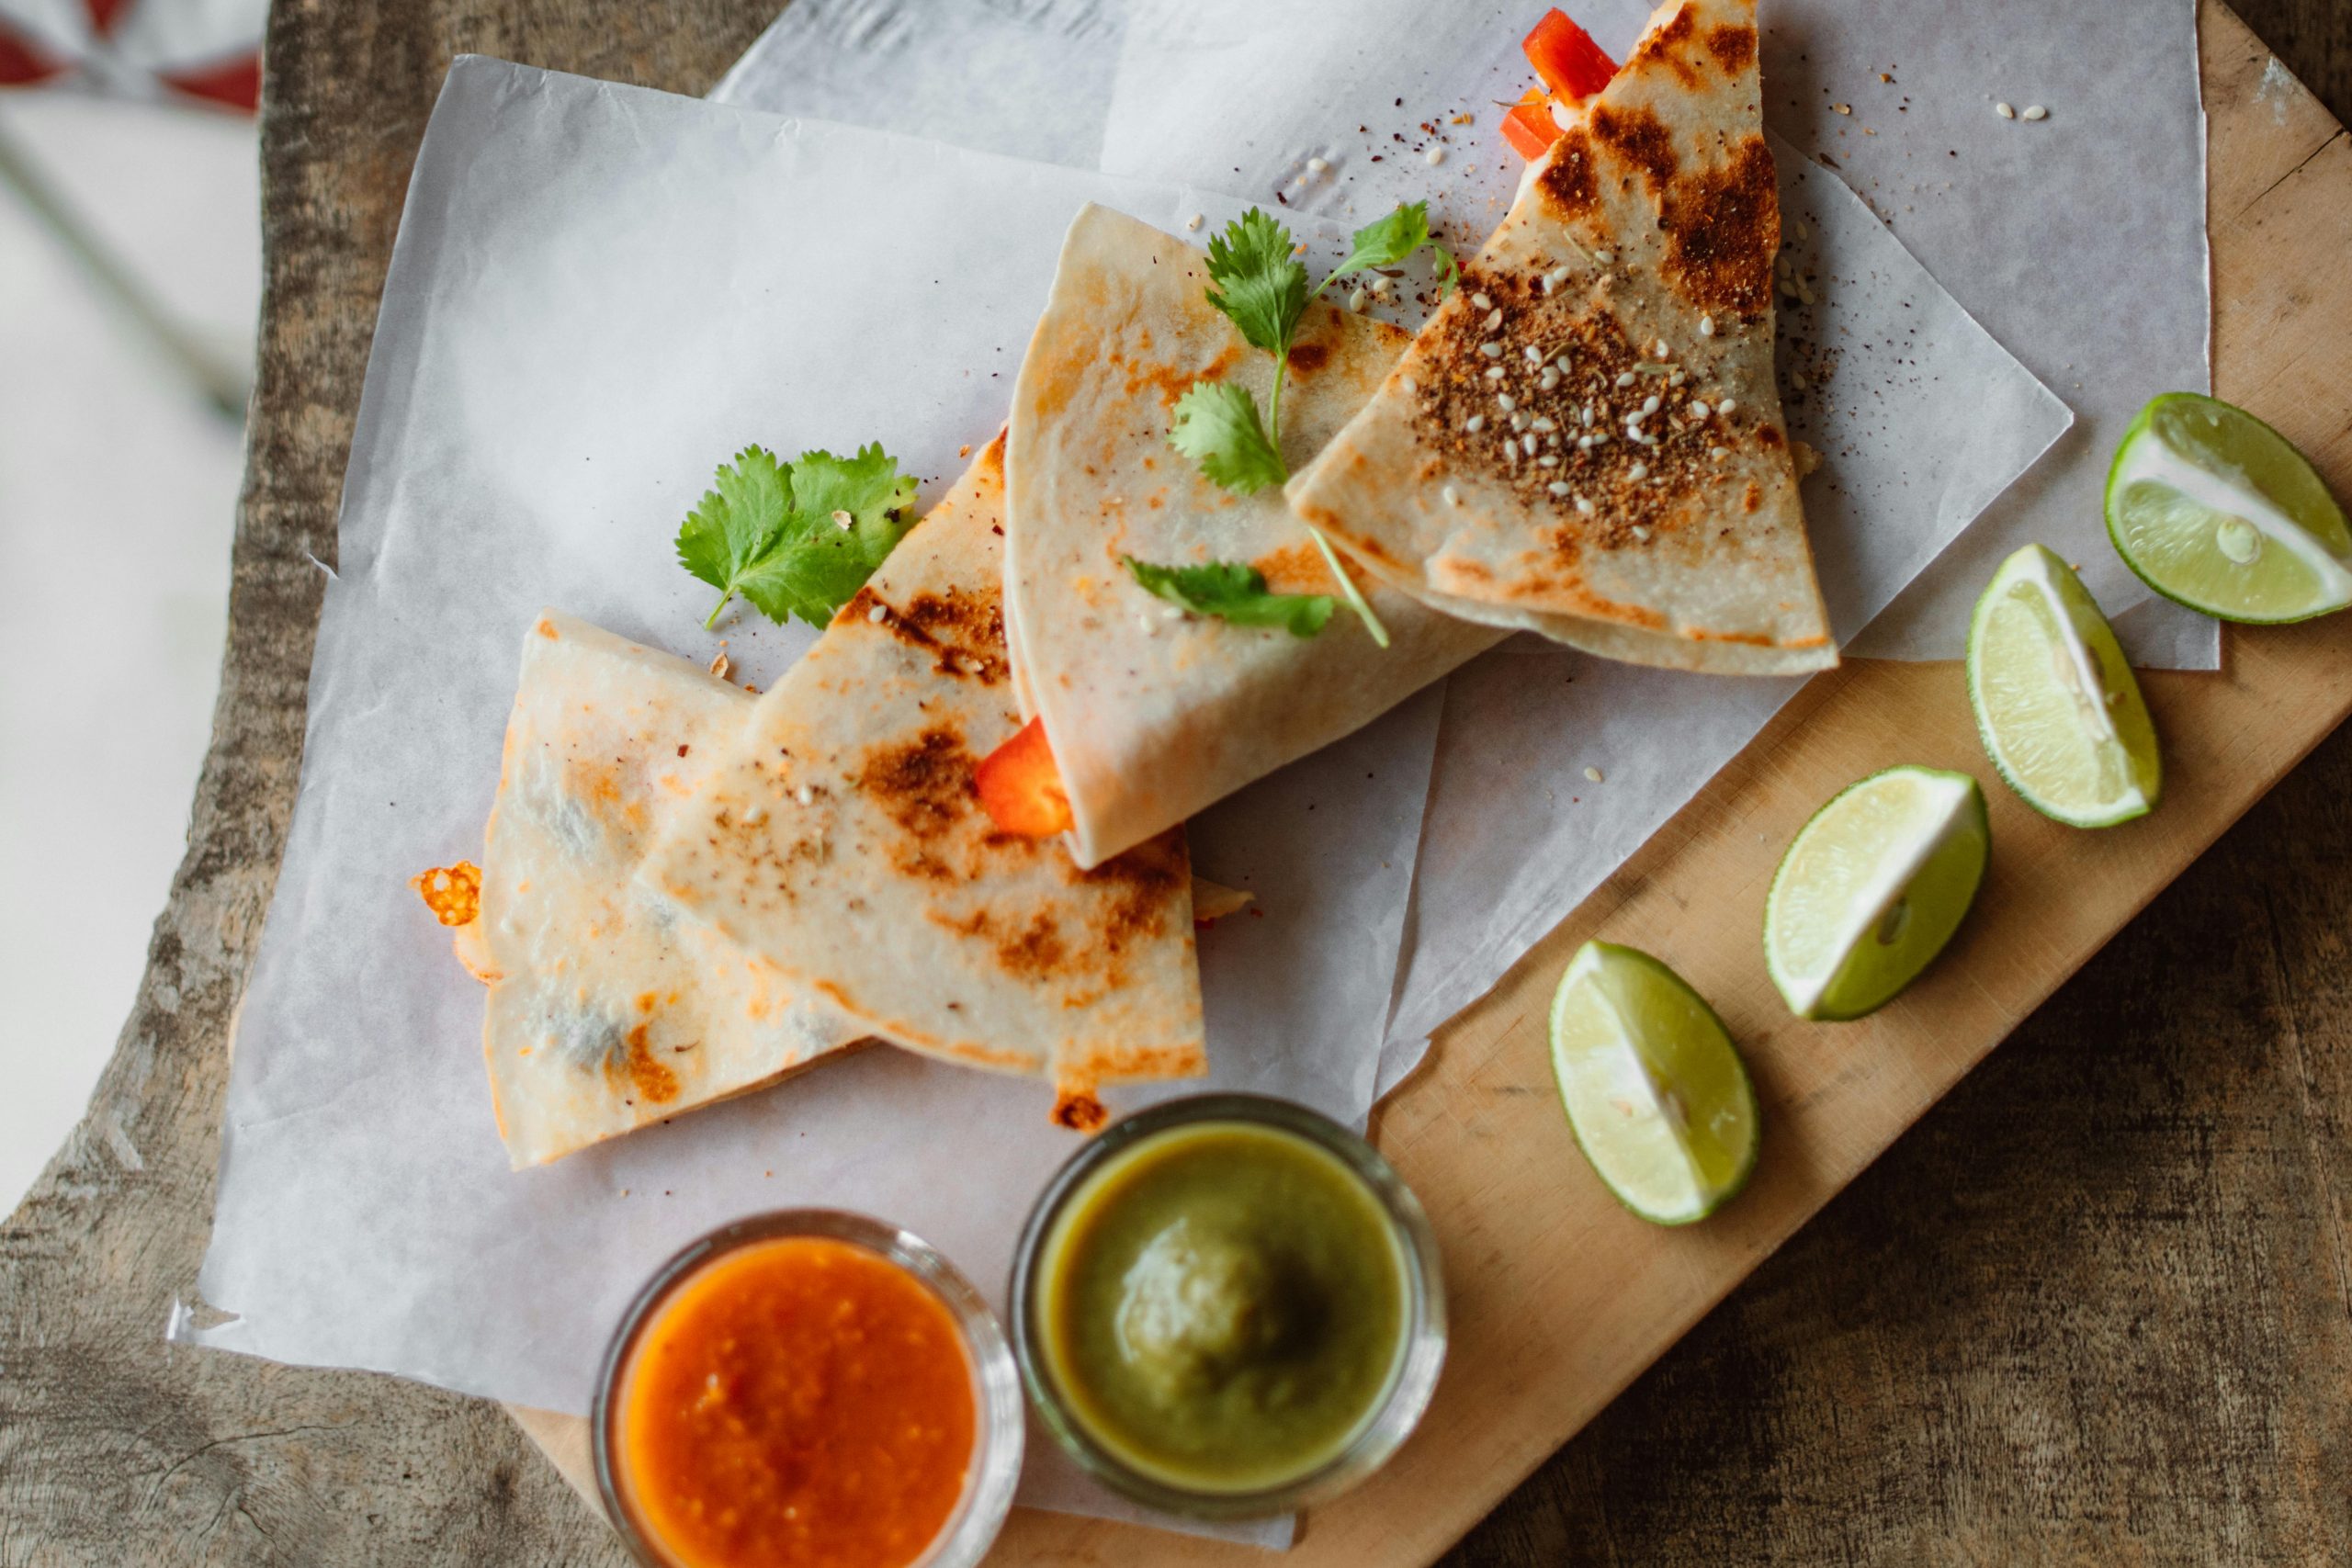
163, 50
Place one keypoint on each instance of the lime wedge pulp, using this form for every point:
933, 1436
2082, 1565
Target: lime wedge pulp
2216, 509
2055, 701
1655, 1094
1872, 889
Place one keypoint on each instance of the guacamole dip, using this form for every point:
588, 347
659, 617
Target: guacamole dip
1222, 1306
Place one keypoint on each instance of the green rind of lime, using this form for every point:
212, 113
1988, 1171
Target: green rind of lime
1656, 1093
2057, 707
2216, 510
1872, 887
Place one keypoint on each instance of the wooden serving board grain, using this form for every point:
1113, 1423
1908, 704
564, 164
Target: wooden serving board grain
1559, 1297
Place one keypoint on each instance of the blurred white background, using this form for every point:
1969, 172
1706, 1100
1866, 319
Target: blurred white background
118, 489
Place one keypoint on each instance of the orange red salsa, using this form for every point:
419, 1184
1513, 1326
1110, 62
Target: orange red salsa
799, 1402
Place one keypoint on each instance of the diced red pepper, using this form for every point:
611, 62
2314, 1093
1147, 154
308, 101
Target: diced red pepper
1566, 57
1020, 787
1528, 128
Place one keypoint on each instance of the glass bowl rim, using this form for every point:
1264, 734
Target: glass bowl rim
998, 1429
1411, 1385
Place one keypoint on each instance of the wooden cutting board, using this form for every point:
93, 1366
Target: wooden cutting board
1559, 1297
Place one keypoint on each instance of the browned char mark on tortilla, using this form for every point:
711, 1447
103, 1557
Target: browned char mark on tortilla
1723, 226
1661, 49
1733, 46
1569, 180
923, 784
961, 630
1640, 137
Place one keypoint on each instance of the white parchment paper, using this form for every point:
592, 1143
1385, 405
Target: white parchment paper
597, 294
2078, 240
1921, 417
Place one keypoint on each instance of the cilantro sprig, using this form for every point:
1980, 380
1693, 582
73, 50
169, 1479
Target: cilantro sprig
1235, 591
796, 538
1258, 281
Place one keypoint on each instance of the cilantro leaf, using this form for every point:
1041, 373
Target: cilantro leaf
1448, 272
722, 536
1234, 591
799, 539
1259, 282
1218, 426
1390, 241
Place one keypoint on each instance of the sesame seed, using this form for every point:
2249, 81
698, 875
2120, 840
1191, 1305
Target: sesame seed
1641, 533
806, 795
1544, 423
1534, 355
1518, 422
1171, 612
1527, 444
1494, 373
1606, 258
2035, 112
1806, 296
1434, 156
1837, 108
1660, 349
879, 613
1638, 471
1491, 349
1649, 405
1706, 326
1632, 432
1505, 401
1558, 275
1357, 299
1546, 285
1409, 384
1584, 506
1719, 453
1193, 221
2004, 112
1726, 405
1147, 625
1796, 380
1549, 379
1558, 486
1584, 442
1698, 409
1624, 379
1453, 496
1547, 461
1494, 318
1584, 416
1316, 165
1596, 775
1481, 301
1675, 379
1788, 289
1474, 423
1510, 450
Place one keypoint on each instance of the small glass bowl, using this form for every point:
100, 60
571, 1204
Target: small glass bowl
998, 1430
1411, 1383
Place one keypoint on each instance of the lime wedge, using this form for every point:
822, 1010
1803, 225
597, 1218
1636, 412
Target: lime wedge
1655, 1094
2215, 509
1872, 889
2055, 702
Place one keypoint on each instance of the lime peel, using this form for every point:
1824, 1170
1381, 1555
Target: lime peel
1890, 866
1655, 1094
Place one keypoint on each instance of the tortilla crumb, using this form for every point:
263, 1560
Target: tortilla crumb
452, 892
1078, 1110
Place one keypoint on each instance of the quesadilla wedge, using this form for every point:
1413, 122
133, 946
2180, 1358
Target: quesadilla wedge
841, 839
606, 1008
1154, 713
1586, 440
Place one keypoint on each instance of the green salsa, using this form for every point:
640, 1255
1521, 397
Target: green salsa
1221, 1307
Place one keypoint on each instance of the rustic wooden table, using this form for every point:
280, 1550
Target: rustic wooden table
2097, 1307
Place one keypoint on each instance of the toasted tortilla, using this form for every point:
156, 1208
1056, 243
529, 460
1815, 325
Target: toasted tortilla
1688, 550
608, 1010
841, 839
1153, 714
